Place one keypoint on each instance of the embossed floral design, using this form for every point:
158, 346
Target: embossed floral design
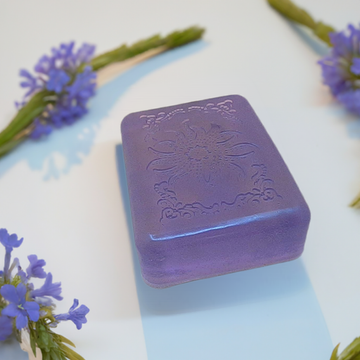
205, 153
152, 122
263, 189
172, 208
223, 108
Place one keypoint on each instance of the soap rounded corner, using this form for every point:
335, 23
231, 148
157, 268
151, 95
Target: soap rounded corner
306, 213
298, 254
151, 283
126, 122
239, 99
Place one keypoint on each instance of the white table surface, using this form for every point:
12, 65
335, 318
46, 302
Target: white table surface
65, 200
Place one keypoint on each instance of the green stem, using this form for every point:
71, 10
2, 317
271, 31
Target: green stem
25, 116
16, 131
124, 52
10, 145
294, 13
356, 202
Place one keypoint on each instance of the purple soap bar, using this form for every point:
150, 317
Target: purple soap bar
209, 192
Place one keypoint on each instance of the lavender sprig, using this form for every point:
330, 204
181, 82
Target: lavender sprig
58, 93
341, 68
29, 312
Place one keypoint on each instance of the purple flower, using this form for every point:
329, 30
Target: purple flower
22, 275
19, 308
44, 301
40, 129
35, 269
69, 60
85, 53
30, 82
341, 69
64, 73
72, 105
77, 316
20, 104
16, 264
64, 56
5, 327
351, 99
44, 65
355, 67
57, 80
84, 85
48, 289
9, 241
67, 113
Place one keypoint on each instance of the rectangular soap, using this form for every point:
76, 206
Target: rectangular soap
209, 192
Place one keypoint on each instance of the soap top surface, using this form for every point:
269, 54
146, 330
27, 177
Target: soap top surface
202, 165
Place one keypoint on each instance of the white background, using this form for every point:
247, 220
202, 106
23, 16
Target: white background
75, 220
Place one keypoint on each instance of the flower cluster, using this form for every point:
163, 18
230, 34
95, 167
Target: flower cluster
341, 69
69, 79
24, 308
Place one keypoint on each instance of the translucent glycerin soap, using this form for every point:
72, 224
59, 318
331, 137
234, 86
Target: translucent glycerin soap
209, 192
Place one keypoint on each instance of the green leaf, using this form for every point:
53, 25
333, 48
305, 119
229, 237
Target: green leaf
33, 342
45, 355
17, 334
65, 340
352, 351
71, 354
17, 279
55, 354
44, 340
334, 355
